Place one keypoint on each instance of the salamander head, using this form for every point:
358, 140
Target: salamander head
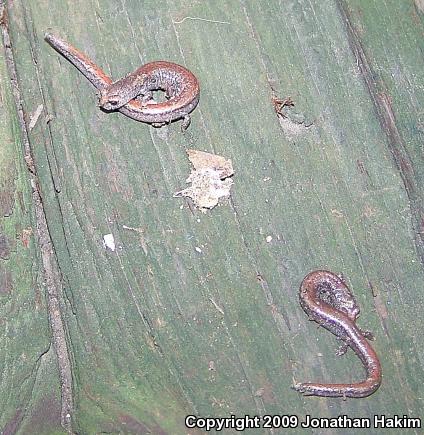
122, 91
109, 100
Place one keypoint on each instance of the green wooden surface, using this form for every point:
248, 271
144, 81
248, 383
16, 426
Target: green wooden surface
337, 185
30, 390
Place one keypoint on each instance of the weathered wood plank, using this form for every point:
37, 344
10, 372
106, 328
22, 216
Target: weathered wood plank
160, 328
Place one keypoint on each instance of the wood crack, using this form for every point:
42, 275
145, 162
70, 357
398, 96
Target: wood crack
48, 255
386, 116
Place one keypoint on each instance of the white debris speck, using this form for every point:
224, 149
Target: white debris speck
269, 239
109, 242
197, 249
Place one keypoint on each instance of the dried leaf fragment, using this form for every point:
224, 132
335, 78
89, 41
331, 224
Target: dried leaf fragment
210, 179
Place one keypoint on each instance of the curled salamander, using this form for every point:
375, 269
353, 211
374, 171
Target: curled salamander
327, 300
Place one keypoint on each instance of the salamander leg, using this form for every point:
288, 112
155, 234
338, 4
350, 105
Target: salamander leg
186, 122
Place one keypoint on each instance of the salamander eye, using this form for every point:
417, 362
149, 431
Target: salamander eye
106, 100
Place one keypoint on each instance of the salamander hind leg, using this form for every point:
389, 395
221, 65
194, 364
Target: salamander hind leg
367, 334
186, 123
342, 349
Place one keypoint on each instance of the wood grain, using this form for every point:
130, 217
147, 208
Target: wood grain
198, 313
